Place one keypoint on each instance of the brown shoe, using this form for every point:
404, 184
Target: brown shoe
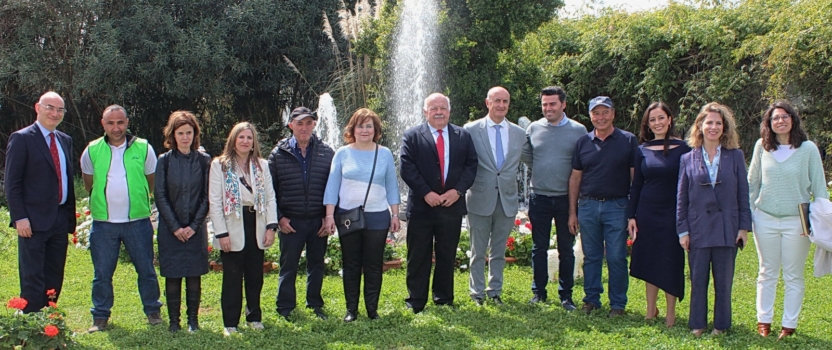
616, 312
98, 325
697, 332
786, 332
588, 308
763, 329
718, 331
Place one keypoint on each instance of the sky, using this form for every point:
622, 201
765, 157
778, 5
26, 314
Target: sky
574, 7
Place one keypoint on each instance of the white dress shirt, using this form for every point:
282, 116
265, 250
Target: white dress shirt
433, 131
492, 137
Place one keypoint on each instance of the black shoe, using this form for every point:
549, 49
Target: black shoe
537, 298
568, 305
351, 316
496, 300
320, 313
174, 327
372, 315
479, 301
415, 309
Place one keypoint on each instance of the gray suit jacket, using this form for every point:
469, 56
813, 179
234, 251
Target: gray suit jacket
482, 197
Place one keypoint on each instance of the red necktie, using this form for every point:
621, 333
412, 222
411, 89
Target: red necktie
53, 148
440, 149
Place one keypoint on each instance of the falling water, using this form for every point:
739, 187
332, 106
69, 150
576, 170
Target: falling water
414, 66
328, 129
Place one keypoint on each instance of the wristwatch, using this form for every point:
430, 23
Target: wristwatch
460, 193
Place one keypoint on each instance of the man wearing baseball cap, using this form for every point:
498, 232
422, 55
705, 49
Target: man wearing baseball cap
602, 168
299, 166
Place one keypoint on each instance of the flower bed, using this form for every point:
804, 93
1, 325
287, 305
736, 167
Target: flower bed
44, 329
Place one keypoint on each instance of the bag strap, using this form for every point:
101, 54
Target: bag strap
372, 173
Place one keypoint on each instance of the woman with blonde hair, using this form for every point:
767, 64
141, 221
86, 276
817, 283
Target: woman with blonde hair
712, 213
182, 200
363, 174
244, 213
785, 171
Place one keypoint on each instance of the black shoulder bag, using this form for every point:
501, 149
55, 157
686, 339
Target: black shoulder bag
352, 220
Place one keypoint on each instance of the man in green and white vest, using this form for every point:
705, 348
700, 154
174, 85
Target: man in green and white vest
118, 173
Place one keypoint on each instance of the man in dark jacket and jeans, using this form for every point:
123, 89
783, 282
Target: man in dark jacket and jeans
300, 168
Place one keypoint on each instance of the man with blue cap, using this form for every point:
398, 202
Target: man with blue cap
602, 168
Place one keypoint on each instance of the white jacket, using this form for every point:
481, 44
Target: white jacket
820, 218
231, 223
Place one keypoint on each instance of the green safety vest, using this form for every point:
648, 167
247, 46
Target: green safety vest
138, 190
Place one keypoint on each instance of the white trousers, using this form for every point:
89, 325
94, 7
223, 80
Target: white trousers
779, 244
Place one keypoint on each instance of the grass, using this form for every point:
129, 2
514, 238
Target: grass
517, 325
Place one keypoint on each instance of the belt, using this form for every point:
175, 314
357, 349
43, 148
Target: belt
249, 208
602, 199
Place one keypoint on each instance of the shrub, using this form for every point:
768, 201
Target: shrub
44, 329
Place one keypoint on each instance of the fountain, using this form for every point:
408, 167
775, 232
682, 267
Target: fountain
414, 66
328, 130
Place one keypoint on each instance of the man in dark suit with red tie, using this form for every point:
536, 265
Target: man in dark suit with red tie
438, 164
41, 197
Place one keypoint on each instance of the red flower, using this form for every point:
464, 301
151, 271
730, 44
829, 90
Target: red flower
53, 304
529, 225
389, 241
51, 293
510, 243
17, 303
87, 212
629, 242
210, 248
51, 331
77, 215
517, 222
74, 240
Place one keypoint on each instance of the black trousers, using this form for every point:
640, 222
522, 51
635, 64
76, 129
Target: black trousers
428, 234
542, 209
363, 251
291, 246
41, 259
247, 265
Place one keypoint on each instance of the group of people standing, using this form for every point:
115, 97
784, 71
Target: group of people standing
669, 195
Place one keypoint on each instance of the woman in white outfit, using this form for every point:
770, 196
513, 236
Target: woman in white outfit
785, 171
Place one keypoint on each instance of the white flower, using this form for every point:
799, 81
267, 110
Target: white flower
341, 273
468, 253
463, 267
78, 245
303, 254
327, 261
458, 249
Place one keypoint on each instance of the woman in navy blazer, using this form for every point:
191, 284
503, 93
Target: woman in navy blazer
713, 215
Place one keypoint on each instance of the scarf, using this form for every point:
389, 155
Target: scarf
232, 202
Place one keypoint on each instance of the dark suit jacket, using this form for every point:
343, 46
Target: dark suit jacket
420, 168
31, 183
713, 216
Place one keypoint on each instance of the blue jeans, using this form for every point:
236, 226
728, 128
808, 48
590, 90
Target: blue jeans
604, 233
542, 209
105, 244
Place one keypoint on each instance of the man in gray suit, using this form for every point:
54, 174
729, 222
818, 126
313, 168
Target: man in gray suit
492, 200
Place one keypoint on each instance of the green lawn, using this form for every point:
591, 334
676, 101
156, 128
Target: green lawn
517, 325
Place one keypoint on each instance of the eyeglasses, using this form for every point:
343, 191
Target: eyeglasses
52, 108
783, 117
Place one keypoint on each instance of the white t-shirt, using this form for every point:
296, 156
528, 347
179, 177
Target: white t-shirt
118, 198
782, 153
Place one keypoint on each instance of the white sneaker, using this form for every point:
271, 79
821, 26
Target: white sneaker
256, 325
228, 331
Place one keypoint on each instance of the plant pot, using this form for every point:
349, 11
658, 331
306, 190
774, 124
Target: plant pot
215, 266
392, 264
267, 266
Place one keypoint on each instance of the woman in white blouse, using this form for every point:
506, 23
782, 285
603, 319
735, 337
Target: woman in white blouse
785, 171
244, 213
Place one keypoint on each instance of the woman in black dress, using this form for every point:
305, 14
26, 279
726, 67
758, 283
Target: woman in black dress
657, 257
182, 200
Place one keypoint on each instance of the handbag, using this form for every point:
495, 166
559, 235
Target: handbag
352, 220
